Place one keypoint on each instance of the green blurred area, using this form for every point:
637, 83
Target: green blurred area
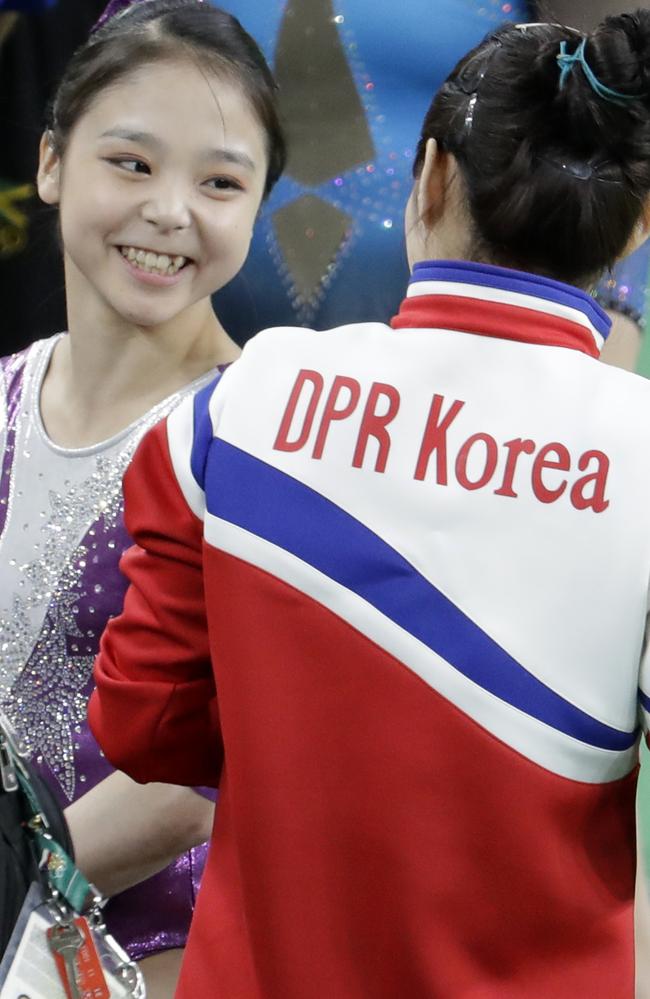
643, 365
643, 808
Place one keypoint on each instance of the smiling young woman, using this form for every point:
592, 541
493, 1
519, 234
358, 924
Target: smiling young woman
162, 142
157, 201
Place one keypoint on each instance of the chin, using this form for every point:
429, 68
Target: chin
144, 321
146, 314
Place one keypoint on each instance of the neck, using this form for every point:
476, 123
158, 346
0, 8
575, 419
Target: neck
107, 373
128, 359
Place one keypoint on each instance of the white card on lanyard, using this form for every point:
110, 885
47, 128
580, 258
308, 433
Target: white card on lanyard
28, 969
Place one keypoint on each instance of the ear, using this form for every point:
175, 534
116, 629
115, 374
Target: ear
433, 184
48, 178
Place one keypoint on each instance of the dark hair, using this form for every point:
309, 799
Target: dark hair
169, 29
555, 176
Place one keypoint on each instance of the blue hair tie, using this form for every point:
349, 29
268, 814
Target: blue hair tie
566, 63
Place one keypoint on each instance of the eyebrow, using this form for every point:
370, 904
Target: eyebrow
230, 155
147, 139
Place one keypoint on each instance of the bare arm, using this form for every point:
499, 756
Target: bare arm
124, 832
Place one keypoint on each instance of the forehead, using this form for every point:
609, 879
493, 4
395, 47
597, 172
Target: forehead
180, 102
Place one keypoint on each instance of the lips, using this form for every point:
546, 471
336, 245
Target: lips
153, 263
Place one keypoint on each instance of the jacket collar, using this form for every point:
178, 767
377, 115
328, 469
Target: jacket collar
498, 302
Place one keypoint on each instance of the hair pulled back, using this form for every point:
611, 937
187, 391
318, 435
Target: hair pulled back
555, 176
169, 29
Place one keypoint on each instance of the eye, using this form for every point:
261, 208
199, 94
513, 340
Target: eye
224, 184
131, 165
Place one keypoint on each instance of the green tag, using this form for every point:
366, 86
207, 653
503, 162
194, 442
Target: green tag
62, 873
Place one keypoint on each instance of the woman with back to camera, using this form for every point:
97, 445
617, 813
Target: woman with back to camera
394, 581
162, 143
355, 82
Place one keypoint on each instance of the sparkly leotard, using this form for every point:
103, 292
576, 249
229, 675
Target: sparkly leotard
356, 79
61, 538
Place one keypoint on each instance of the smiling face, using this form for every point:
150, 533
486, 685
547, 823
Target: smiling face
158, 191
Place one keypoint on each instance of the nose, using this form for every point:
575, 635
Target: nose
167, 206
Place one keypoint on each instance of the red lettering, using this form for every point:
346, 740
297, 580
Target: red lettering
282, 442
331, 413
515, 448
435, 439
491, 456
374, 425
561, 462
597, 500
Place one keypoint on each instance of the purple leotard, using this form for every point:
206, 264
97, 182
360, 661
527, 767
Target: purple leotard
61, 538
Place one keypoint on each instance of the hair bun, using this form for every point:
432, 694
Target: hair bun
559, 185
603, 87
620, 48
636, 28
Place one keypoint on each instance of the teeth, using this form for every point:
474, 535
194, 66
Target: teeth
153, 263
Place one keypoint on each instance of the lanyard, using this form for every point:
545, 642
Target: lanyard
62, 874
70, 891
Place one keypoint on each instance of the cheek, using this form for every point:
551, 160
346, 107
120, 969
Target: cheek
227, 245
234, 230
82, 214
235, 244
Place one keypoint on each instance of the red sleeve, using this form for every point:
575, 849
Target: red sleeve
154, 711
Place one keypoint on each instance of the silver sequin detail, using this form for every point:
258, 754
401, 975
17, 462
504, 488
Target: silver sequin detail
42, 685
